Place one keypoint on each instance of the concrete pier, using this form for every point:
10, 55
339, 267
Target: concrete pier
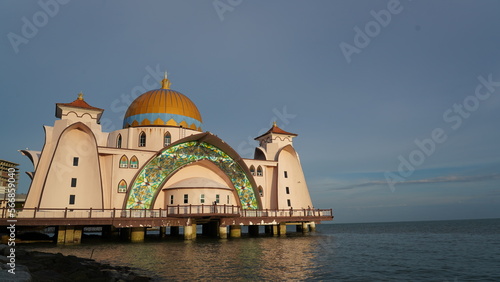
137, 234
110, 232
305, 227
312, 226
69, 235
235, 231
190, 232
275, 230
282, 229
223, 232
268, 229
163, 231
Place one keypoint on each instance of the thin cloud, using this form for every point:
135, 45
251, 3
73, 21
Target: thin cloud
441, 179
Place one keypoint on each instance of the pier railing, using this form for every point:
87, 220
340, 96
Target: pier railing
169, 211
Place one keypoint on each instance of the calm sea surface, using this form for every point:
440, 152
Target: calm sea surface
463, 250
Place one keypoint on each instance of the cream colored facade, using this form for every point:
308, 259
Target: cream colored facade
160, 158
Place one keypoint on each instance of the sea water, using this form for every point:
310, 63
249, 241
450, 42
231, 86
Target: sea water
461, 250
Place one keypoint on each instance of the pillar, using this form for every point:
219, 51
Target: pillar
109, 231
235, 231
163, 231
125, 233
282, 229
312, 226
137, 234
305, 227
77, 235
190, 232
223, 232
275, 230
253, 230
69, 235
268, 229
174, 230
61, 234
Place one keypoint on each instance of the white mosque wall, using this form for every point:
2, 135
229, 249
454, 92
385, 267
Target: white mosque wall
155, 137
73, 179
290, 175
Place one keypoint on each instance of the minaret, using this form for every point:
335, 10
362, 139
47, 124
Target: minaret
275, 139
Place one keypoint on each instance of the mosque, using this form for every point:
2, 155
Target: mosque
160, 158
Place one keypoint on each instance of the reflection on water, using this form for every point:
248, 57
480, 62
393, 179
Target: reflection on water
261, 258
404, 251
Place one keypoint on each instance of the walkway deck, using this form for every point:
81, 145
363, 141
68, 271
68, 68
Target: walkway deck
179, 215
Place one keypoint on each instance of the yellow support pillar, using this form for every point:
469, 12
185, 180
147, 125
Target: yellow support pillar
223, 232
235, 231
282, 229
137, 234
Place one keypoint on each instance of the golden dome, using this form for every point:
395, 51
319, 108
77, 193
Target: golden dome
163, 107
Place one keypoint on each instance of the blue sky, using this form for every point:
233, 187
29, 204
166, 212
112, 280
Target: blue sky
413, 98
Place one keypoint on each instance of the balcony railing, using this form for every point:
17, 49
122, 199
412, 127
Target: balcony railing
169, 211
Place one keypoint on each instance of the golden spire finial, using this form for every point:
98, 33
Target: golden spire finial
274, 124
165, 83
80, 96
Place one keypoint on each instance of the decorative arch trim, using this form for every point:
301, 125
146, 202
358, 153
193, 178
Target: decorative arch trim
149, 180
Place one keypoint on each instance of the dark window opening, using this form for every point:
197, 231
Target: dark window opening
259, 171
71, 199
75, 161
119, 141
73, 182
167, 139
142, 139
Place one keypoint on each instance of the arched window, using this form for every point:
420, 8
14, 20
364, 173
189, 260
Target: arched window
167, 139
119, 141
134, 162
259, 171
142, 139
261, 191
252, 170
123, 162
122, 186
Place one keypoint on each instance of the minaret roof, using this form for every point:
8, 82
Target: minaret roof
276, 130
79, 103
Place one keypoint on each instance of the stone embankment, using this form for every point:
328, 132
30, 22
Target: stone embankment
38, 266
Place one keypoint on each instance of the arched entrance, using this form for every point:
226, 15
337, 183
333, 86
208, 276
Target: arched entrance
148, 182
